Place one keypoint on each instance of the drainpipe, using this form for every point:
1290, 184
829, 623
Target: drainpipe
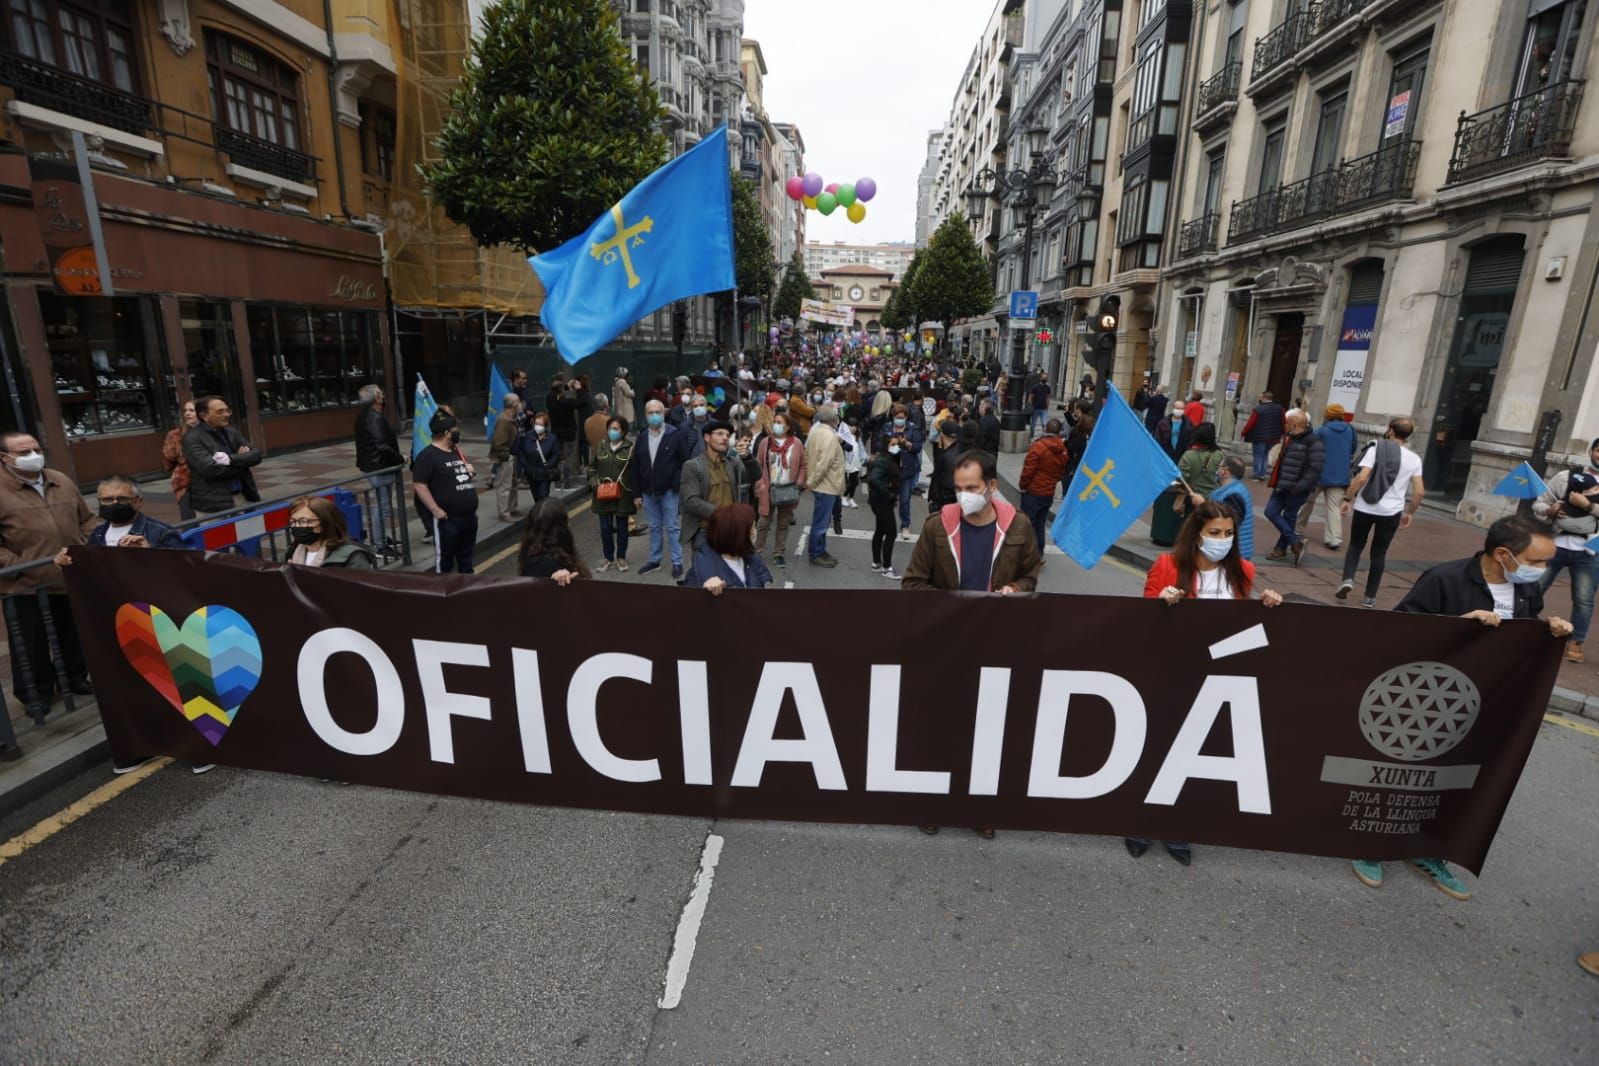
333, 101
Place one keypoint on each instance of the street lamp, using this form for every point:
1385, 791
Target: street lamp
1028, 192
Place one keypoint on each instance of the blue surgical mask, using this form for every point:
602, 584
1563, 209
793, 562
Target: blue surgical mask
614, 434
699, 414
899, 423
655, 418
1524, 573
1216, 548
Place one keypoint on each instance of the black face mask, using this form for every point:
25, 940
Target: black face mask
118, 514
302, 535
455, 436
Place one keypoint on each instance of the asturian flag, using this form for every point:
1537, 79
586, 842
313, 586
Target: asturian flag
422, 411
671, 237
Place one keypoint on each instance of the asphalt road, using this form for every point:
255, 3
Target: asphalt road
244, 917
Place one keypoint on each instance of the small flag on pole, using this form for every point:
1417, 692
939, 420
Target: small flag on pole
498, 388
422, 412
1522, 483
1121, 472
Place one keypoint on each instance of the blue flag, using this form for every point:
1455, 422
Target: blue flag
498, 389
422, 412
1523, 483
1121, 472
671, 237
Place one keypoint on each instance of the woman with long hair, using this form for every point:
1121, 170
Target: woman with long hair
612, 492
548, 549
1203, 564
781, 457
882, 495
321, 538
172, 458
726, 558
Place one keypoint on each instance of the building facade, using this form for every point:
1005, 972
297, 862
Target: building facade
865, 288
226, 147
926, 181
895, 257
790, 237
1390, 205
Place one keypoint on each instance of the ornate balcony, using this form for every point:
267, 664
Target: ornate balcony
1306, 24
247, 151
50, 87
1198, 236
1278, 46
1386, 174
1217, 92
1524, 130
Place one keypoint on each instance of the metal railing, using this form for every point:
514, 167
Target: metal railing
1386, 174
1304, 25
1199, 235
1220, 88
1524, 130
34, 695
264, 156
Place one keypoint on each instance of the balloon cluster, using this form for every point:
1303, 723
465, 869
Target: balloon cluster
810, 191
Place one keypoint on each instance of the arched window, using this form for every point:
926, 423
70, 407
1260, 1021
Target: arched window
253, 93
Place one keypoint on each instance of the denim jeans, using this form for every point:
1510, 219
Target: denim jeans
613, 537
1584, 567
1281, 510
1036, 422
905, 486
822, 511
662, 512
1036, 508
1262, 453
383, 495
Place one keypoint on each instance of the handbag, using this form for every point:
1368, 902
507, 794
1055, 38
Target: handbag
785, 495
608, 490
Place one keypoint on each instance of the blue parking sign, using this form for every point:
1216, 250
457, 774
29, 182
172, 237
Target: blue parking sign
1024, 304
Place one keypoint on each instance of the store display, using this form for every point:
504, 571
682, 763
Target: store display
99, 363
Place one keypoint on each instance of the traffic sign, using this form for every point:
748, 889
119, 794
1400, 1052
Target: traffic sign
1024, 304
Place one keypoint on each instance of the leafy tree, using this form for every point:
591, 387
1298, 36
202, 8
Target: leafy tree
549, 126
902, 302
954, 280
796, 286
752, 242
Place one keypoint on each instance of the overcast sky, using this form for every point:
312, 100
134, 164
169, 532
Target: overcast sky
864, 81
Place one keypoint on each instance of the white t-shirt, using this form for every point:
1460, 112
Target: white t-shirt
736, 565
1213, 585
114, 534
1504, 594
1393, 501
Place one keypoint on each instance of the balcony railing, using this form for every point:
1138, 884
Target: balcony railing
1524, 130
265, 156
1199, 235
1306, 23
50, 87
1221, 88
1386, 174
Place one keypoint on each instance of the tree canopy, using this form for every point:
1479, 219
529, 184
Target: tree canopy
796, 286
752, 242
954, 280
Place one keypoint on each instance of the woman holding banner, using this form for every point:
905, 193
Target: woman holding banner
548, 549
1204, 564
726, 558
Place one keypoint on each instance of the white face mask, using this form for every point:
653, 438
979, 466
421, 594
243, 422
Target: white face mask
893, 449
31, 463
972, 502
1215, 548
779, 429
1523, 574
540, 428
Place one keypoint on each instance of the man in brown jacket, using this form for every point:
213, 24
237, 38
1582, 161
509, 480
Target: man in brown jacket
500, 444
975, 544
41, 512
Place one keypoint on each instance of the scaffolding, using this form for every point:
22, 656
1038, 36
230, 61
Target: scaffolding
433, 262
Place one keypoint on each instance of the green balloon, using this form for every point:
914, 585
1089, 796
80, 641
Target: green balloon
826, 202
846, 195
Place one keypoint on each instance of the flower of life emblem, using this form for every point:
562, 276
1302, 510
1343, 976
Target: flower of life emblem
1418, 710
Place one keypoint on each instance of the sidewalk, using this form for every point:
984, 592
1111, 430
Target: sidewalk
1431, 539
67, 743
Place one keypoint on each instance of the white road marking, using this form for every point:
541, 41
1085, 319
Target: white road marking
1250, 639
688, 926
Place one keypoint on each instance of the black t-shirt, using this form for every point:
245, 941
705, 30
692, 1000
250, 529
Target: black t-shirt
445, 475
977, 555
541, 566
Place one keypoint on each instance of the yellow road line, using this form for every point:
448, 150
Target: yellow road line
61, 819
1572, 723
512, 550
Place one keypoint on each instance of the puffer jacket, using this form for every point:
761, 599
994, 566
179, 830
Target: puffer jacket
1299, 468
1044, 466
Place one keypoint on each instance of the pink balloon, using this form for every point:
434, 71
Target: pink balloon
795, 188
833, 188
812, 184
865, 189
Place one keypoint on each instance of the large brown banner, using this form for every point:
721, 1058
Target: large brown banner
1310, 729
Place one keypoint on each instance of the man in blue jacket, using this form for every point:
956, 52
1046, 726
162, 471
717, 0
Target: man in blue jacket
1264, 429
1231, 490
123, 523
657, 475
1338, 454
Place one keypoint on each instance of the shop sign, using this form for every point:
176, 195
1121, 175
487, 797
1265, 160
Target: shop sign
1398, 112
351, 290
1354, 345
69, 220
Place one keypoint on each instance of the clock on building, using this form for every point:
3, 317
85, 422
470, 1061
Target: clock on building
856, 292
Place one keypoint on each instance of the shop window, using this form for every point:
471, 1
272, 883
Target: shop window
252, 93
101, 363
211, 354
310, 359
89, 38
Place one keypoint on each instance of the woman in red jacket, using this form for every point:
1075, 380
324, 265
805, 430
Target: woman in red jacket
1203, 564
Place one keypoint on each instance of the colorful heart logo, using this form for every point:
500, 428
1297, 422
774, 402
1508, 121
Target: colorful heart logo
206, 668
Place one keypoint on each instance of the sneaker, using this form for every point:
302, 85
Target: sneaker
1369, 601
1344, 590
888, 572
1574, 652
1442, 877
780, 561
648, 568
132, 766
876, 567
202, 768
621, 566
1370, 873
824, 560
603, 567
677, 571
905, 534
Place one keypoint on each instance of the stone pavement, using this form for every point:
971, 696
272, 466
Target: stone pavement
68, 741
1431, 539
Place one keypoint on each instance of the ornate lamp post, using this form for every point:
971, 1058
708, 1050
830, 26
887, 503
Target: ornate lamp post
1027, 192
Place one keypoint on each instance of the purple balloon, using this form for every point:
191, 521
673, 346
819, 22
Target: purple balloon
865, 189
813, 183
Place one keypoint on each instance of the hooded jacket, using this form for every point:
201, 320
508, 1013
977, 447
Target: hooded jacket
936, 559
1338, 451
1044, 466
